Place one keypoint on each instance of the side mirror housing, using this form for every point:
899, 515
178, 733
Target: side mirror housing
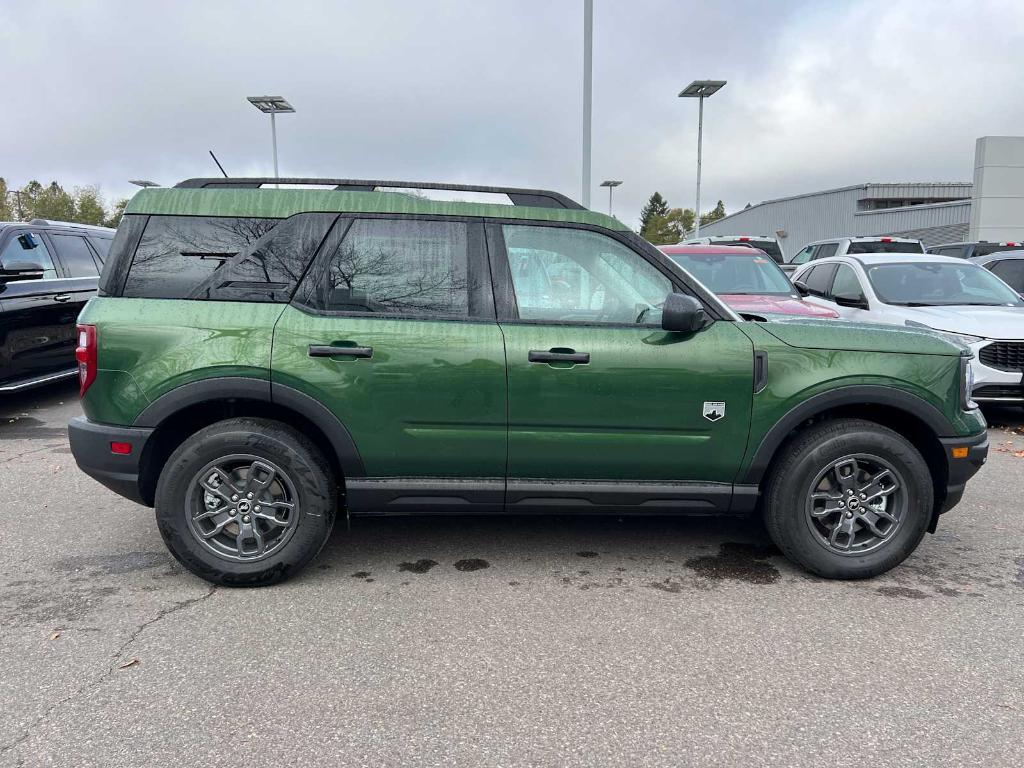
801, 288
850, 300
683, 314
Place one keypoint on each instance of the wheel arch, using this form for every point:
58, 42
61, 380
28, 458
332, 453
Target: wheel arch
184, 410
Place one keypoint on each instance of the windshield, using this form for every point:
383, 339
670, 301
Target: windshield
768, 246
879, 246
933, 284
736, 274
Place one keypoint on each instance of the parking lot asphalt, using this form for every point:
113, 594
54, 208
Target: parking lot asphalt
518, 641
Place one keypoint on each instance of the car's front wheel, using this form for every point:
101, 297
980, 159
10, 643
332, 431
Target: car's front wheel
849, 499
245, 502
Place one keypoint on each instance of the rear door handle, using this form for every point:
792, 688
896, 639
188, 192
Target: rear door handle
558, 356
329, 350
62, 297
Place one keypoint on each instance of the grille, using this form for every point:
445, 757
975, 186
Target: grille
1004, 355
1000, 391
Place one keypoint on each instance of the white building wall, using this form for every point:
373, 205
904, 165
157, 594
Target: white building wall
997, 202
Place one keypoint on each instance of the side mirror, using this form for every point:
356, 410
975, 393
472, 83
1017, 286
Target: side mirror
28, 241
683, 314
854, 300
801, 288
21, 270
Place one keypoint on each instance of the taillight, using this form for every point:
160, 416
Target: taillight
85, 353
886, 239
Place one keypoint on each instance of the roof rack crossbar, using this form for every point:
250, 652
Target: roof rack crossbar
537, 198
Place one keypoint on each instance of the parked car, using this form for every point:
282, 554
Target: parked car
766, 243
957, 297
745, 279
840, 246
48, 270
1008, 266
973, 250
263, 359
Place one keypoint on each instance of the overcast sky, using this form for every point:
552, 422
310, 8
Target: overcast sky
820, 94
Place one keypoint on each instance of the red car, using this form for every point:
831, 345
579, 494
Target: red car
744, 278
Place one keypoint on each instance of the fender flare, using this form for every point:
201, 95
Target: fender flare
247, 388
865, 394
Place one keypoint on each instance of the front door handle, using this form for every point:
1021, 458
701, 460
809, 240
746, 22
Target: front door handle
558, 355
329, 350
62, 297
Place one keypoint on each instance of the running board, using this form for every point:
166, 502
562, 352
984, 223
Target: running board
38, 381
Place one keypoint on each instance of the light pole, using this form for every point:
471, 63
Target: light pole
588, 90
700, 89
611, 185
272, 105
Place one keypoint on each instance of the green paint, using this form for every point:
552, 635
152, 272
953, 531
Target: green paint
282, 203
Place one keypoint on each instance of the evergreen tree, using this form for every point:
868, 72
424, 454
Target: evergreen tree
715, 214
656, 206
89, 206
115, 215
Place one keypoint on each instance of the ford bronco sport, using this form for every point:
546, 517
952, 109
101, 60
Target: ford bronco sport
260, 360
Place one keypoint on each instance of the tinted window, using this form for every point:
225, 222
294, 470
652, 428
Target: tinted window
75, 255
825, 250
846, 283
817, 279
984, 249
570, 275
883, 246
721, 273
1011, 272
222, 258
940, 284
15, 250
102, 246
399, 266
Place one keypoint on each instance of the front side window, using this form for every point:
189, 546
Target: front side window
570, 275
803, 256
937, 284
29, 247
399, 267
817, 279
74, 253
846, 283
1011, 272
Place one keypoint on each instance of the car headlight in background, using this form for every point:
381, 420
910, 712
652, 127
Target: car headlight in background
966, 383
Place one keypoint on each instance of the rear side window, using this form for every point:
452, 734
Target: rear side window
224, 258
101, 245
75, 255
825, 250
407, 267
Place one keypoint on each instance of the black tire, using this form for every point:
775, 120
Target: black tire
300, 471
805, 539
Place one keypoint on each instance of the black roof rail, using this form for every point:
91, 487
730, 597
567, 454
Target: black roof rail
537, 198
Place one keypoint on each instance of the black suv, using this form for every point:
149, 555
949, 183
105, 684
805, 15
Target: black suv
48, 270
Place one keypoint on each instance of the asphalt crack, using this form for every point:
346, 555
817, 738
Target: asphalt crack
161, 614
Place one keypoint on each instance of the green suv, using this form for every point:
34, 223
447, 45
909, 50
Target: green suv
262, 359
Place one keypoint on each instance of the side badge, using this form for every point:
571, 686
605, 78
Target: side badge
714, 411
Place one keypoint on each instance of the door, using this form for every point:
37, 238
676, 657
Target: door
847, 296
393, 330
597, 391
37, 322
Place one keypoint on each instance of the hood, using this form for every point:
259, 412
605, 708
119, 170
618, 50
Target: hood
858, 337
987, 322
783, 305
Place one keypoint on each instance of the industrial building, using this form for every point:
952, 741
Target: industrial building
990, 208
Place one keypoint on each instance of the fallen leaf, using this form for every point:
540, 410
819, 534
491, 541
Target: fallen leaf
1019, 454
133, 662
55, 635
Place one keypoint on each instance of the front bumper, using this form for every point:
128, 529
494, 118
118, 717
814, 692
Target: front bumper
993, 385
961, 469
90, 445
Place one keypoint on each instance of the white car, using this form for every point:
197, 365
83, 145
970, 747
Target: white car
956, 297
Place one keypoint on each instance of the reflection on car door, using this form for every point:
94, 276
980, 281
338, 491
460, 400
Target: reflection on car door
597, 390
37, 322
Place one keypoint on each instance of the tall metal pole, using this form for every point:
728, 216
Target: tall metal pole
700, 138
273, 136
588, 60
610, 188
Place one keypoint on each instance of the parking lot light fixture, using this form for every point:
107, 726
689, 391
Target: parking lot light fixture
143, 183
700, 89
611, 185
272, 105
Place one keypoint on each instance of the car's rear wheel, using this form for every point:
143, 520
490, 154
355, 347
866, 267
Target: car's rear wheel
245, 502
848, 499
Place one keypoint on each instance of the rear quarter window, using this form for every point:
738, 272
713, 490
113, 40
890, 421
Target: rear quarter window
224, 258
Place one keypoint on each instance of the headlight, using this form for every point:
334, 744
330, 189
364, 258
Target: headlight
963, 339
966, 384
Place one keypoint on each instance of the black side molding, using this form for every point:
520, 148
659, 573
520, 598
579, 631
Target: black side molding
760, 370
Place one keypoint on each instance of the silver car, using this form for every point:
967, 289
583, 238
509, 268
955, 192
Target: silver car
956, 297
